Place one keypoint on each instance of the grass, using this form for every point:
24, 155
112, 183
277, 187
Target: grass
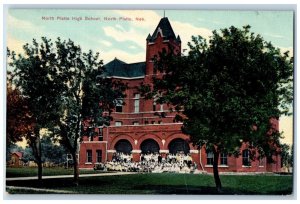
32, 171
164, 184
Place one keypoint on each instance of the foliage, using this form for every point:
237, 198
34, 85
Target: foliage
66, 92
52, 152
87, 98
286, 155
33, 75
228, 91
19, 123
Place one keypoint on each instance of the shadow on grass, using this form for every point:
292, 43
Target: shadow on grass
86, 187
201, 190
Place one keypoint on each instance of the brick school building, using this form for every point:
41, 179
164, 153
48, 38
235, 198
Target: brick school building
137, 128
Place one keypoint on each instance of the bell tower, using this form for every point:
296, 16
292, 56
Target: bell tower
162, 37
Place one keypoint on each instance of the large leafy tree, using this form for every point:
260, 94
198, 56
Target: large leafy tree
66, 91
228, 91
87, 98
33, 75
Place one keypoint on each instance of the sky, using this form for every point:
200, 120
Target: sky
123, 33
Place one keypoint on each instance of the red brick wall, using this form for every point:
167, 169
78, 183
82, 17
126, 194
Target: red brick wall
94, 146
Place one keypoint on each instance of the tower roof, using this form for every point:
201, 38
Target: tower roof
165, 29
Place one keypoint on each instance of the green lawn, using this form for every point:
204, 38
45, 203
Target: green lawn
165, 184
32, 171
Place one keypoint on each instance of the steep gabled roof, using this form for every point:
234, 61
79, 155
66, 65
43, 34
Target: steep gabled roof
119, 68
165, 28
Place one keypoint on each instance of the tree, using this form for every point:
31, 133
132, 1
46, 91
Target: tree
17, 114
66, 92
286, 160
85, 97
33, 75
52, 152
227, 91
28, 155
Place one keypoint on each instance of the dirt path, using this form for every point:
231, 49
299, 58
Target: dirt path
70, 176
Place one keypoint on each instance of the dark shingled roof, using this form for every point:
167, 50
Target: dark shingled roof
119, 68
166, 29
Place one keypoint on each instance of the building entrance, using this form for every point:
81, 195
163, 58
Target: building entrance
149, 146
179, 146
123, 146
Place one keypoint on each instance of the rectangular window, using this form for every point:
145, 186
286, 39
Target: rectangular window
152, 122
99, 156
160, 122
262, 161
161, 107
118, 123
89, 156
135, 123
154, 106
119, 105
100, 135
210, 158
90, 133
223, 158
119, 109
136, 103
146, 122
246, 158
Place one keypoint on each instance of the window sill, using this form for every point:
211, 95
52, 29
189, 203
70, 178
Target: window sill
219, 166
88, 163
261, 166
246, 166
223, 166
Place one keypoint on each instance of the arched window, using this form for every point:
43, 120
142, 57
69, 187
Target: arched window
149, 146
123, 146
179, 145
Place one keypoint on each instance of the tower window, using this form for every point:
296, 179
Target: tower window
154, 106
100, 136
161, 107
137, 103
119, 105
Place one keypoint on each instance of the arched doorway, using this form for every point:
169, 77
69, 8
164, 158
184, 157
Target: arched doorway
123, 146
178, 146
149, 146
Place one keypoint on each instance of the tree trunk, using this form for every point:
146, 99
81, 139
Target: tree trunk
216, 171
76, 170
40, 170
35, 143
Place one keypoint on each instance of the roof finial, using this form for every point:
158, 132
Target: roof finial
164, 14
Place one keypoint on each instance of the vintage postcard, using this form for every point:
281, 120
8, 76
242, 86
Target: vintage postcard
189, 102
